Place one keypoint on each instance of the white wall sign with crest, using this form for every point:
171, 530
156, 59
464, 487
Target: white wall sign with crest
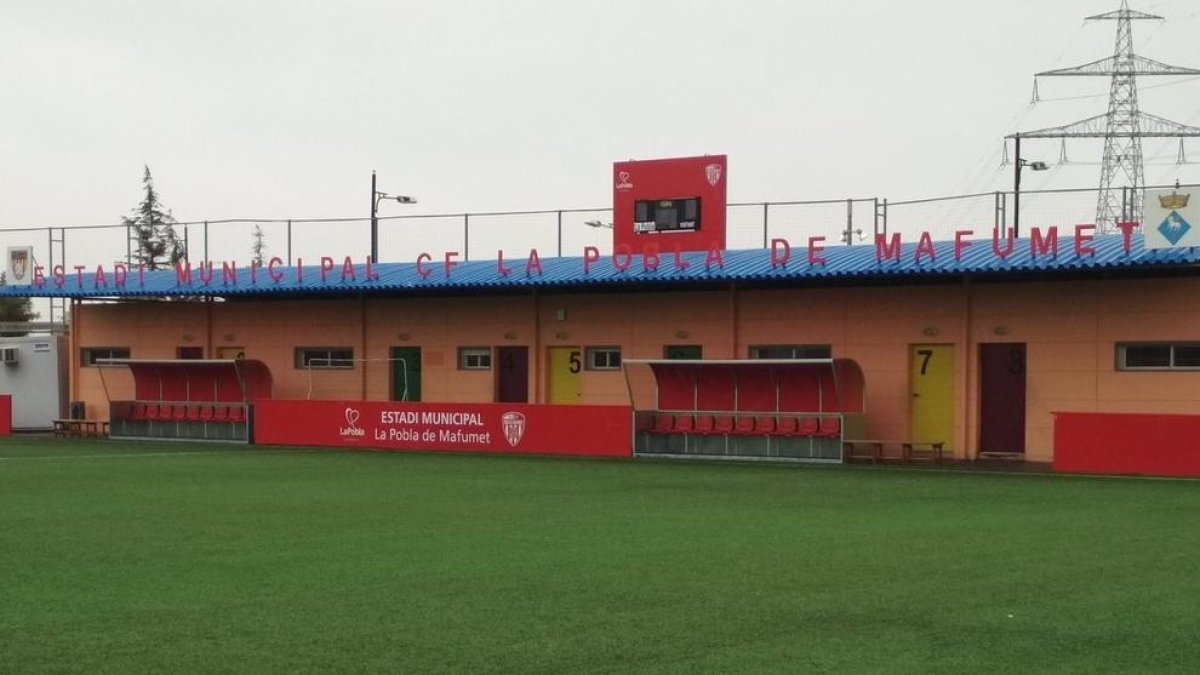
1171, 219
19, 268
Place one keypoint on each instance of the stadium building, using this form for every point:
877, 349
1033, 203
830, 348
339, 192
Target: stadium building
1065, 346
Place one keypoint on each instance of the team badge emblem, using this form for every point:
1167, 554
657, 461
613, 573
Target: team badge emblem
18, 265
713, 173
513, 424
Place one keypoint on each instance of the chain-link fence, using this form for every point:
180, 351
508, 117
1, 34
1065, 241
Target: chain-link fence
565, 232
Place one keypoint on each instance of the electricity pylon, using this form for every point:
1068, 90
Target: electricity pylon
1124, 125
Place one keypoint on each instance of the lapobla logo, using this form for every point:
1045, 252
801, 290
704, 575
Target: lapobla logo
352, 429
623, 182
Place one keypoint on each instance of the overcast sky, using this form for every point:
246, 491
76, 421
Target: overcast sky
278, 109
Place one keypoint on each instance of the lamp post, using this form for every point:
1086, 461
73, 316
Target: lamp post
1017, 166
376, 197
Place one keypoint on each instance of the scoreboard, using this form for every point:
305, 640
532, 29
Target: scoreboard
669, 204
666, 215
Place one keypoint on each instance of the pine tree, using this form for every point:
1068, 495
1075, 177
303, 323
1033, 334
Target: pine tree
258, 246
153, 229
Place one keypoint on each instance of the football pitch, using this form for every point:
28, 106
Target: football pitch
178, 557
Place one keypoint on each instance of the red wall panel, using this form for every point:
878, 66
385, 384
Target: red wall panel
585, 430
5, 414
1127, 443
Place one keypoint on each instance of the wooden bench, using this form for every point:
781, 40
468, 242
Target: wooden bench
80, 428
875, 450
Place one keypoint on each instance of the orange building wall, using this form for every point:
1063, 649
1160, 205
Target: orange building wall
1070, 330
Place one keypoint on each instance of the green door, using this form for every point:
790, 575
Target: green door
406, 373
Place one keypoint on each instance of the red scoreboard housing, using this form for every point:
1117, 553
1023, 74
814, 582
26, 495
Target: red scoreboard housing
669, 204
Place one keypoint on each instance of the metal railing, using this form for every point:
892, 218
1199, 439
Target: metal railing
558, 232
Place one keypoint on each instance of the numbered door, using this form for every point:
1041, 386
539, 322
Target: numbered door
1002, 397
565, 375
933, 393
406, 373
512, 375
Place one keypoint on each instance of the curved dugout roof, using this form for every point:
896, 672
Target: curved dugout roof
197, 381
753, 265
758, 385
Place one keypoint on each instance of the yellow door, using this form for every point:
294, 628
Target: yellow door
566, 364
933, 393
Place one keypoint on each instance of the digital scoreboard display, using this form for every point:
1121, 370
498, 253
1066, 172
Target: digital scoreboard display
666, 215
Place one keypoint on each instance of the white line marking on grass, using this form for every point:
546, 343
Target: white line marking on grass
124, 455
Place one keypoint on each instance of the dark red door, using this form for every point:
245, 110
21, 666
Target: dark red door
512, 375
1002, 397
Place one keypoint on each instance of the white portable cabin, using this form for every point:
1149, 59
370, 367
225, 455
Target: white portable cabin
33, 369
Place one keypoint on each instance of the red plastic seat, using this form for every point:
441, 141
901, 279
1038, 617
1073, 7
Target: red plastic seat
193, 412
704, 424
152, 411
764, 424
137, 411
206, 413
663, 423
831, 427
684, 423
643, 421
723, 424
221, 414
787, 425
237, 413
744, 424
809, 426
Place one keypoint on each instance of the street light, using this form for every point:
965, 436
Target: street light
376, 197
1017, 166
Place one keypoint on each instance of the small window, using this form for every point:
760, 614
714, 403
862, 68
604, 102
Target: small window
92, 356
604, 358
1159, 356
190, 353
324, 357
791, 352
474, 358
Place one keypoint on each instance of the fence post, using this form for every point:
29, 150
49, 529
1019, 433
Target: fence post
205, 242
766, 222
560, 234
466, 236
289, 242
849, 238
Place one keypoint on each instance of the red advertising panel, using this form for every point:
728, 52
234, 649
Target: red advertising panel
5, 414
586, 430
1127, 443
667, 205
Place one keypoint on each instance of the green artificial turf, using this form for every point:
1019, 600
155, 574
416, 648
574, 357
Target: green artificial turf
127, 558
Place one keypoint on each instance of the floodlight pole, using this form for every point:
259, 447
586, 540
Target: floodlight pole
376, 195
374, 220
1017, 166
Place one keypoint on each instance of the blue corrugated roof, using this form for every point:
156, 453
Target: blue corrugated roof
755, 265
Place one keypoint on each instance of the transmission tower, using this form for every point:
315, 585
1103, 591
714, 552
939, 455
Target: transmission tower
1124, 125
